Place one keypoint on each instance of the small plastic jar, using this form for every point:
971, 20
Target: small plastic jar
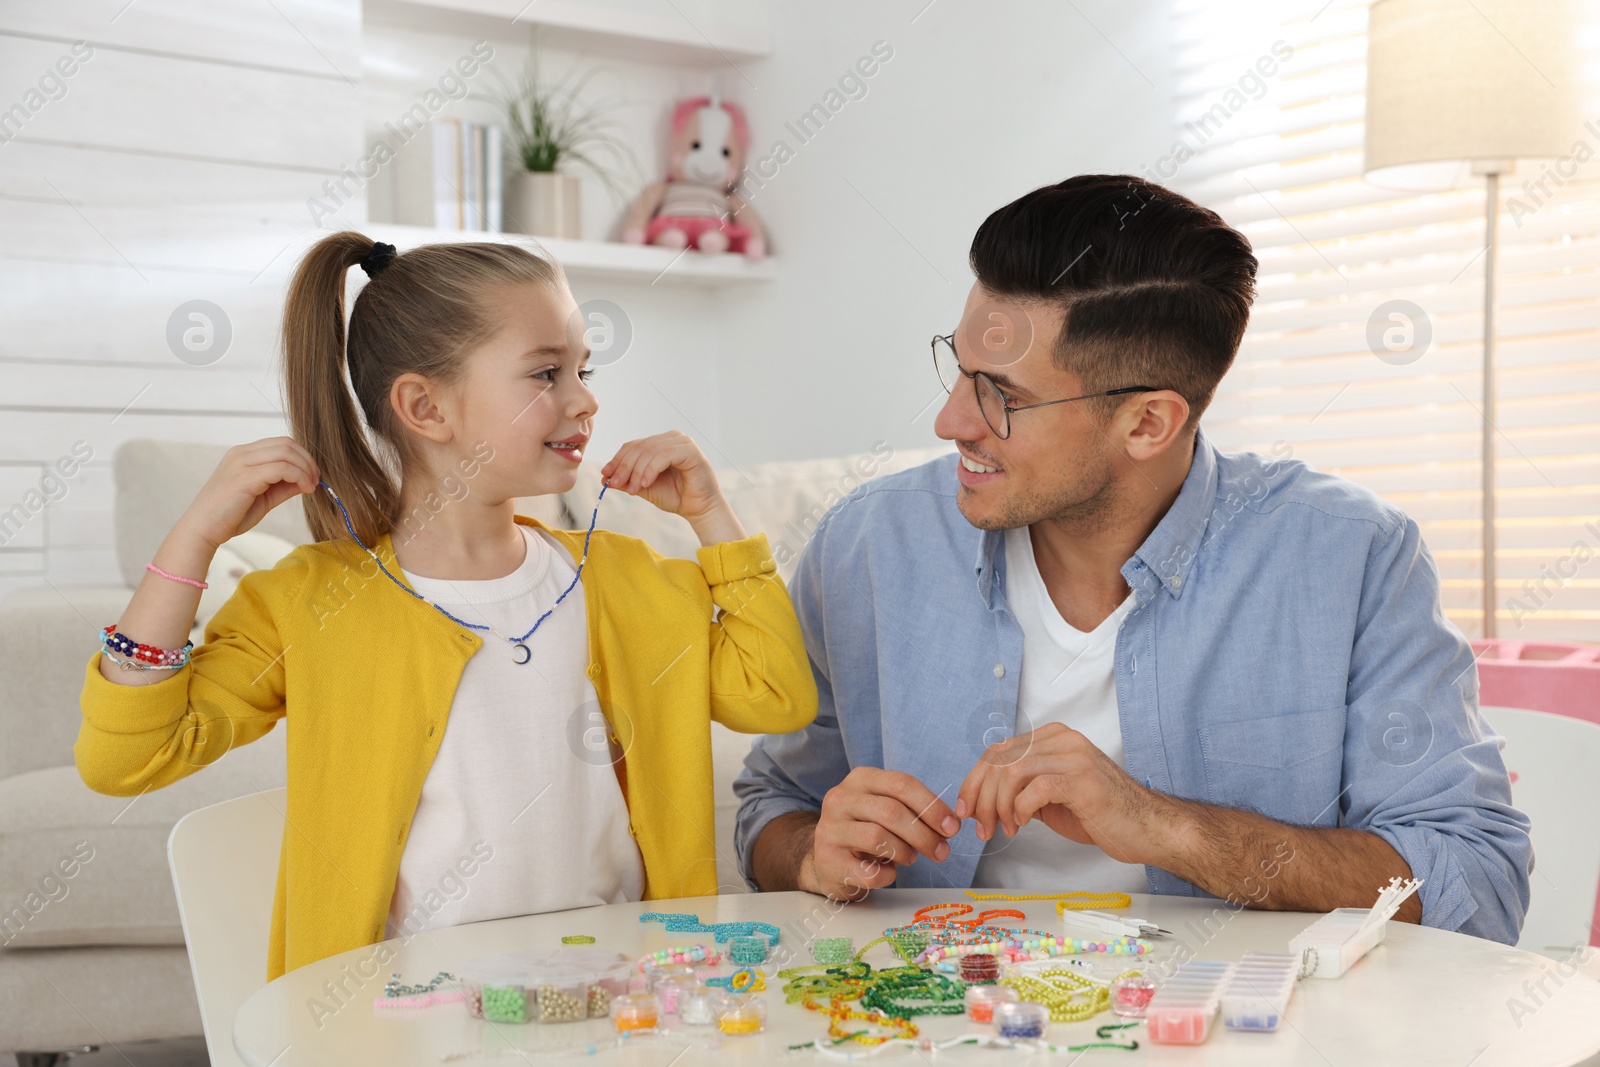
1130, 995
564, 1002
698, 1003
1021, 1020
983, 999
658, 975
979, 968
635, 1011
741, 1016
670, 990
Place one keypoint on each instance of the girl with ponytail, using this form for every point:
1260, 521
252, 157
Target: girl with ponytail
486, 716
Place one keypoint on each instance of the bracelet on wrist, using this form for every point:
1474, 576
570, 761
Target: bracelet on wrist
144, 657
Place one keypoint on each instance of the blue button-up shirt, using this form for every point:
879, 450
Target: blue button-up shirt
1285, 653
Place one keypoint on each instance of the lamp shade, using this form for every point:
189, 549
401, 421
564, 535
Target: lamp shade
1458, 84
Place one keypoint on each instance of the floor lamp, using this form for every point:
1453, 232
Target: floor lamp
1459, 90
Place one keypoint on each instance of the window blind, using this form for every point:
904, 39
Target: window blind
1269, 134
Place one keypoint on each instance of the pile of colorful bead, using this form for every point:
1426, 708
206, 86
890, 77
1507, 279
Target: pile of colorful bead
832, 950
980, 968
566, 1002
506, 1004
981, 1000
636, 1011
747, 951
1021, 1021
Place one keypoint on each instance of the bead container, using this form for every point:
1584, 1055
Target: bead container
832, 950
698, 1003
1258, 992
1020, 1020
1130, 995
1181, 1010
981, 1000
549, 986
979, 968
740, 1016
1331, 945
635, 1011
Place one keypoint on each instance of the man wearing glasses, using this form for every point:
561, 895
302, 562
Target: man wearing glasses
1094, 653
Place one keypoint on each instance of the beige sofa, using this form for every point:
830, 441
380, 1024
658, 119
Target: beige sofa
93, 951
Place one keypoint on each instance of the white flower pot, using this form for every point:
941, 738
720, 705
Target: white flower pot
544, 204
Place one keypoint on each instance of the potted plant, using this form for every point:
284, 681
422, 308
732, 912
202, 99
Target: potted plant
551, 130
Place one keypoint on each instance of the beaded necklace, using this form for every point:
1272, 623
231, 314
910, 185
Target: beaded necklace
949, 935
518, 644
683, 922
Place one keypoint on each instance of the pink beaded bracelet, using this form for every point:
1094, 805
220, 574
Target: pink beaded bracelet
176, 577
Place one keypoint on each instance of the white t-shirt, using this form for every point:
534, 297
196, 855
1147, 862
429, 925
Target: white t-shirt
537, 819
1068, 676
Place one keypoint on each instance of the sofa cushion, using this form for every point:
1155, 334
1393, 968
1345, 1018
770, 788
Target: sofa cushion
156, 481
81, 868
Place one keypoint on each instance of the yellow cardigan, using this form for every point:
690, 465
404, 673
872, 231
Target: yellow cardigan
366, 673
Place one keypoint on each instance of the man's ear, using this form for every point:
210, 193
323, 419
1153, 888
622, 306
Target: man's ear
1154, 422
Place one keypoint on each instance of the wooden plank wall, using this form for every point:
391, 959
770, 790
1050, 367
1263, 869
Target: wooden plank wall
172, 163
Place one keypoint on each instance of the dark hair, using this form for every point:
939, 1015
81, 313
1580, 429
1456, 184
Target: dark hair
1157, 289
421, 312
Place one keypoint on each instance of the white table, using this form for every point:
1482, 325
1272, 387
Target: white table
1424, 996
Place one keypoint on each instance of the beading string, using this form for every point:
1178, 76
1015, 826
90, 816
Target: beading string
462, 622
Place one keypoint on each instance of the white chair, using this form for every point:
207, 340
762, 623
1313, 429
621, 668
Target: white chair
224, 862
1555, 766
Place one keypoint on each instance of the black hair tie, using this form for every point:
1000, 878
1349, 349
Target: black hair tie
378, 258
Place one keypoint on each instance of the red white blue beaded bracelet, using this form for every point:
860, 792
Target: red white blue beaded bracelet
145, 657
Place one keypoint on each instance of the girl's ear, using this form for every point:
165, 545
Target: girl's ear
419, 406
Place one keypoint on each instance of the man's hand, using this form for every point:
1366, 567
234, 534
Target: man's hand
1057, 775
872, 823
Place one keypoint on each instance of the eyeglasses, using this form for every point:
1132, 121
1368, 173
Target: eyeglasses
996, 409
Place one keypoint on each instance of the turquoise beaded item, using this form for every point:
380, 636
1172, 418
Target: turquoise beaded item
747, 950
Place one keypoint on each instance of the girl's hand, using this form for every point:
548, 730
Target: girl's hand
250, 481
671, 472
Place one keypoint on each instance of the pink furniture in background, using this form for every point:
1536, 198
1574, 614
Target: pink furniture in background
1560, 678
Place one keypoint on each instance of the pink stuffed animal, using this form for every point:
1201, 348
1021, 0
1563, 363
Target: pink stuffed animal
696, 205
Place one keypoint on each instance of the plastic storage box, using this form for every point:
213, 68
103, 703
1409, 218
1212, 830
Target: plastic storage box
1332, 944
550, 986
1258, 991
1181, 1011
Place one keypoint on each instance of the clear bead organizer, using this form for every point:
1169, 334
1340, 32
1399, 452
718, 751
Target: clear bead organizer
545, 986
1181, 1011
1258, 990
1331, 945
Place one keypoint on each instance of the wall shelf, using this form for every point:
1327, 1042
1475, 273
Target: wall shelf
609, 260
668, 36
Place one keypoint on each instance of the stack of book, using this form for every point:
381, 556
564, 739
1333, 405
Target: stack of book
451, 175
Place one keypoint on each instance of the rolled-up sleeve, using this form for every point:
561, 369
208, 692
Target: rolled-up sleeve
791, 772
1423, 769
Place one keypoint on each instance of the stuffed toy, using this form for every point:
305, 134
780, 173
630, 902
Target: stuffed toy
696, 205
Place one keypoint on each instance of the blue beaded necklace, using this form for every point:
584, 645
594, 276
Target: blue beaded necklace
517, 643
